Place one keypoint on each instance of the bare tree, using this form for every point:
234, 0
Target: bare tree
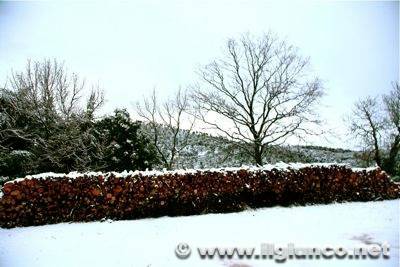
166, 123
366, 124
376, 123
48, 89
259, 94
44, 110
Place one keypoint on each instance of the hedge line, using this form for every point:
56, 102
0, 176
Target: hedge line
94, 197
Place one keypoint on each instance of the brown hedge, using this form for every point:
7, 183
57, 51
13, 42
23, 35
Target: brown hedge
87, 198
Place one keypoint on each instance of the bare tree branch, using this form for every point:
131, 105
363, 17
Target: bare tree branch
165, 121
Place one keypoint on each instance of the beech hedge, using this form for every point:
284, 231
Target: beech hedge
38, 201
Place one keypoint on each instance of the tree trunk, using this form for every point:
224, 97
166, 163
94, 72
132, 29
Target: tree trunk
258, 151
389, 163
377, 153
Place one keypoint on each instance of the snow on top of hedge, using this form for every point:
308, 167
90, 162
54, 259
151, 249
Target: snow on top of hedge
267, 167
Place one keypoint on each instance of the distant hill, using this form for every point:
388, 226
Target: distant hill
207, 151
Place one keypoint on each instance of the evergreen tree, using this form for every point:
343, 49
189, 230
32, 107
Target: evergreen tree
126, 147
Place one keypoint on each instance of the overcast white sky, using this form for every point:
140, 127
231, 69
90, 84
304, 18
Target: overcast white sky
131, 47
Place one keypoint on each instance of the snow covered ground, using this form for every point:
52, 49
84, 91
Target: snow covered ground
152, 242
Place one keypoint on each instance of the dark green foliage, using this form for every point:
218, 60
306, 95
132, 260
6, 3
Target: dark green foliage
31, 143
395, 179
15, 157
126, 148
16, 162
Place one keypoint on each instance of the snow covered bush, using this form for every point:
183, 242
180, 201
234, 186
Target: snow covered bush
16, 162
94, 196
125, 147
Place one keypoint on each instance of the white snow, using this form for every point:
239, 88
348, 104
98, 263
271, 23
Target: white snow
151, 242
267, 167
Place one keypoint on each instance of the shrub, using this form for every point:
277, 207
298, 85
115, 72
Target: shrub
16, 162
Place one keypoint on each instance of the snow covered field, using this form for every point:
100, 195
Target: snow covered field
152, 242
